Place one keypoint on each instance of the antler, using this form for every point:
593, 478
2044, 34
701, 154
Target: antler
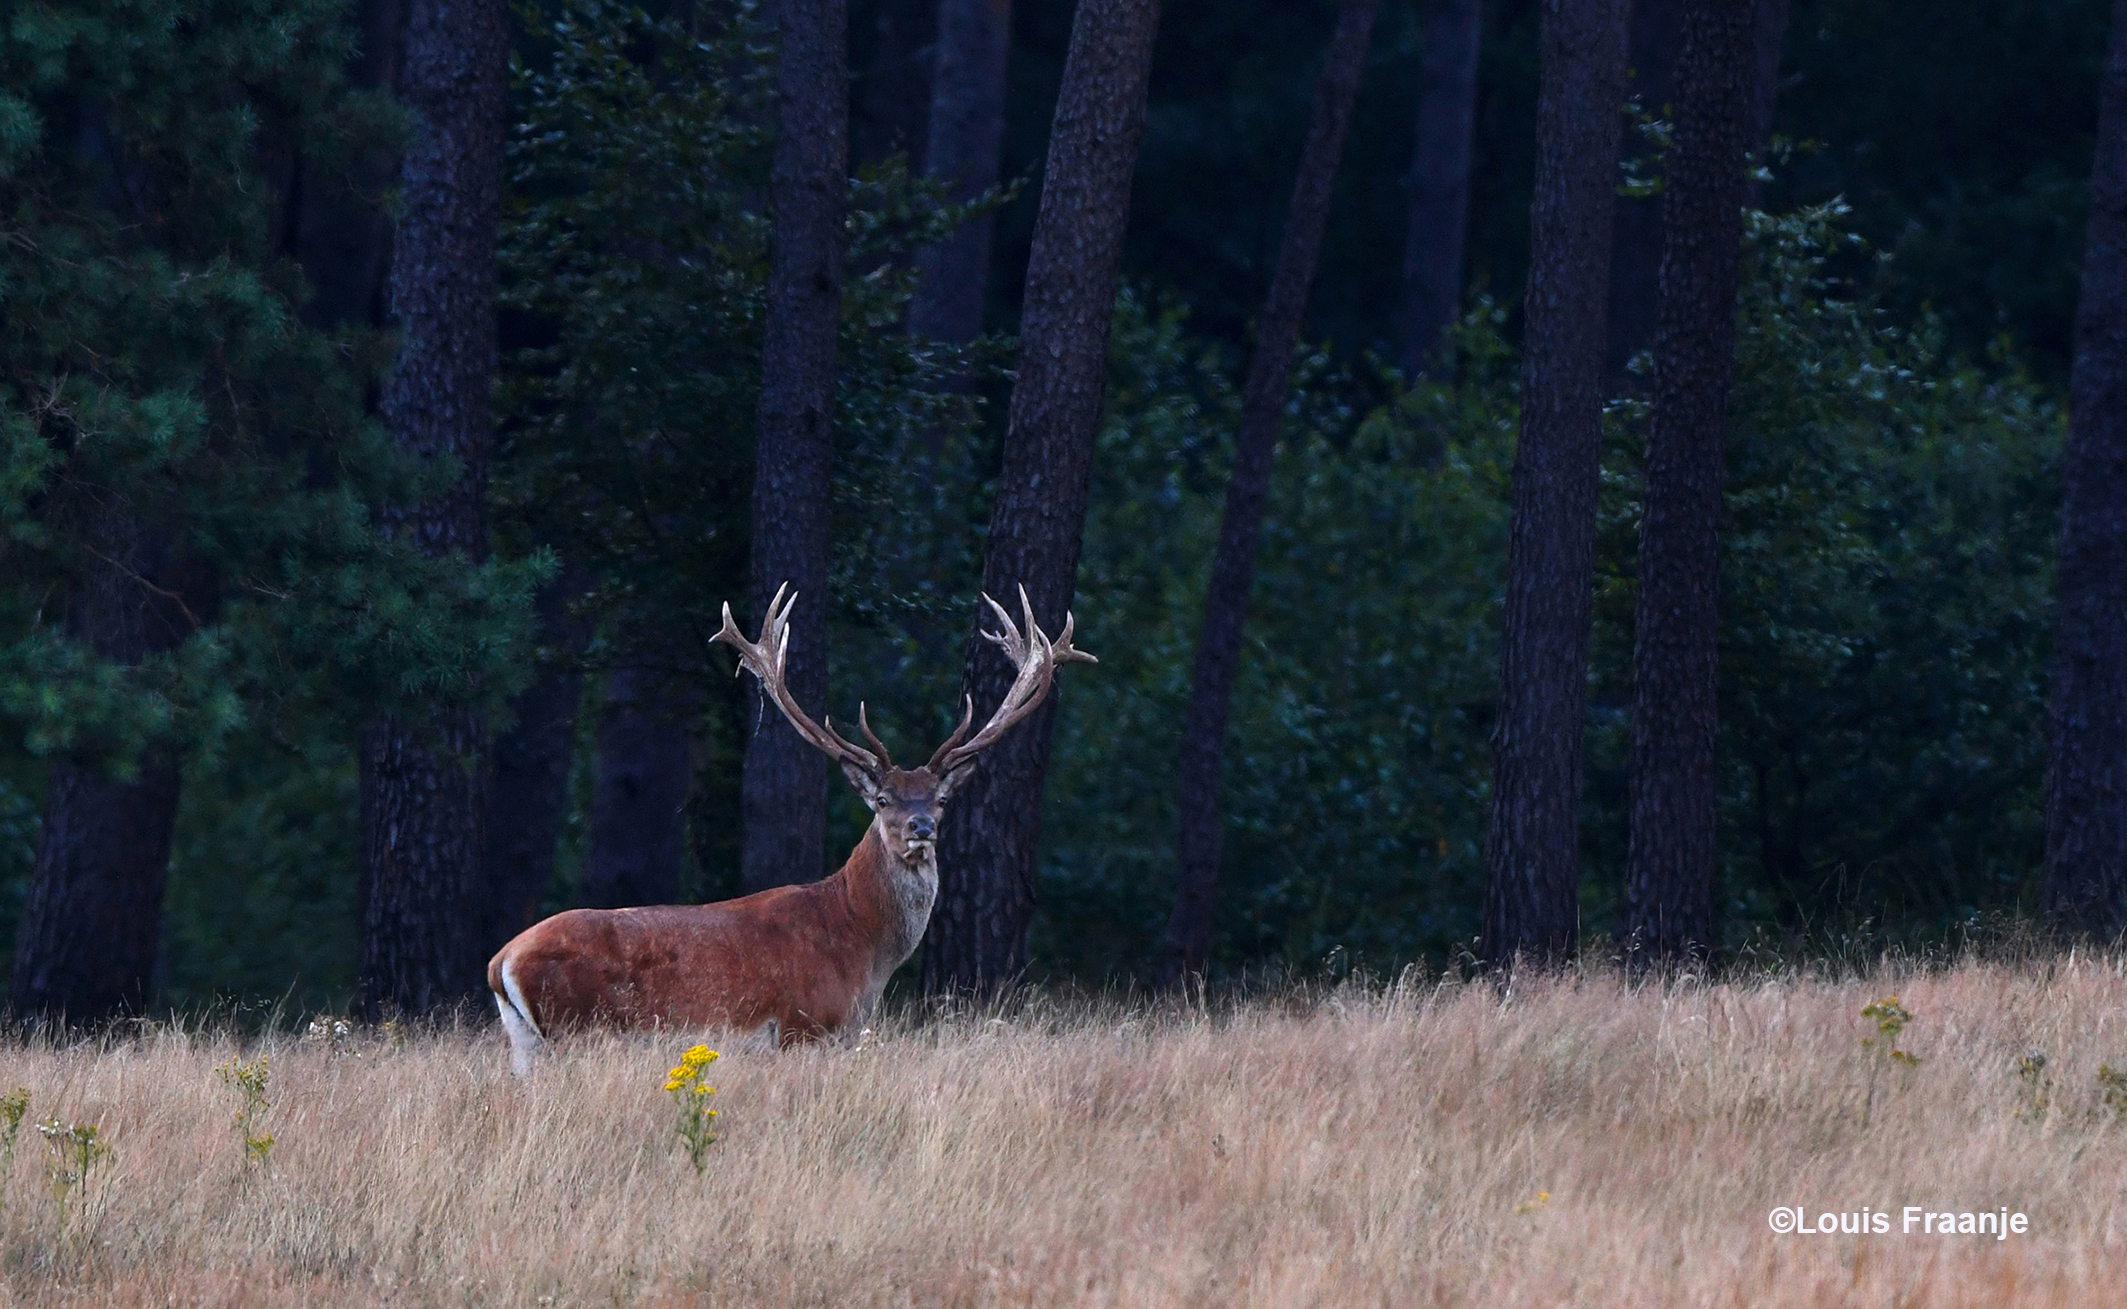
766, 659
1037, 658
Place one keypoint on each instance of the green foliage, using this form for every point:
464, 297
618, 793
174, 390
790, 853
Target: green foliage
635, 254
2037, 1093
1887, 554
2112, 1088
75, 1153
250, 1080
636, 249
1886, 560
1887, 543
1356, 771
1961, 132
160, 387
157, 382
14, 1107
261, 904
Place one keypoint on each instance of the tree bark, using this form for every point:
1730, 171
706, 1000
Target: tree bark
1440, 185
638, 830
978, 931
422, 796
528, 774
342, 231
1200, 828
966, 131
92, 920
783, 795
893, 106
2086, 791
1532, 867
1768, 43
1673, 787
1636, 240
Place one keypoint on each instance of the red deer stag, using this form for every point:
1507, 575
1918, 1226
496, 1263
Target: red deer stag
794, 962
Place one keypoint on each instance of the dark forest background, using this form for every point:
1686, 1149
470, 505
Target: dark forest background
1910, 278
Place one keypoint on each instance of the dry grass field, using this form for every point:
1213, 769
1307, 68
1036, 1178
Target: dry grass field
1347, 1147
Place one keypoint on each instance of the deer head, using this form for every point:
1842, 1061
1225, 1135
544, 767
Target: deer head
910, 802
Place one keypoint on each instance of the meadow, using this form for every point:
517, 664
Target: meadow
1574, 1139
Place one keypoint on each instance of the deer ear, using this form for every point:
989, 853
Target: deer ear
954, 778
867, 786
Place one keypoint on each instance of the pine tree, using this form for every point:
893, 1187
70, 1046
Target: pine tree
1532, 848
1218, 654
1440, 183
785, 789
978, 931
187, 473
1676, 634
966, 129
2086, 798
423, 796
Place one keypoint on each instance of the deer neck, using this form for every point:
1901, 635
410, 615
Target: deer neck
894, 895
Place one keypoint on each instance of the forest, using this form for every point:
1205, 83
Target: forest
1637, 481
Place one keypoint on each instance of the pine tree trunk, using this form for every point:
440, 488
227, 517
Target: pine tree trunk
2086, 792
893, 105
783, 796
1670, 856
1201, 830
1768, 43
1532, 848
422, 794
978, 932
1636, 241
638, 830
92, 920
93, 917
528, 774
966, 131
1440, 184
342, 233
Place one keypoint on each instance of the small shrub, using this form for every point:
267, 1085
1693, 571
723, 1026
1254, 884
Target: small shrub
1890, 1018
2038, 1087
77, 1151
697, 1121
14, 1106
250, 1083
2113, 1082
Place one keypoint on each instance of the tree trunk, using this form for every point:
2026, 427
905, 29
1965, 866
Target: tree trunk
1532, 848
528, 775
422, 810
978, 932
1440, 185
1218, 652
1768, 43
342, 233
2086, 791
966, 131
638, 830
783, 797
92, 920
93, 916
894, 102
1636, 241
1670, 852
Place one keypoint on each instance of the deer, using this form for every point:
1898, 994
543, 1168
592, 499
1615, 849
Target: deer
793, 963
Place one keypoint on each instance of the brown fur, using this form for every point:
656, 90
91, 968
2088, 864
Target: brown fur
808, 958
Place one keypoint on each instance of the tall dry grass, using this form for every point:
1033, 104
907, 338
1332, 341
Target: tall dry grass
1338, 1148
